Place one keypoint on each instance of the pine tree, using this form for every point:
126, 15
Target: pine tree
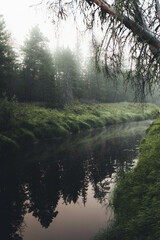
38, 68
7, 61
67, 75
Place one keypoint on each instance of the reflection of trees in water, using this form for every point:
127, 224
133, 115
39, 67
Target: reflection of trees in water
12, 206
38, 185
44, 192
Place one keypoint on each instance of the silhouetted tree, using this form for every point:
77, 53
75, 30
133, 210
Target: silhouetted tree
67, 75
38, 69
7, 61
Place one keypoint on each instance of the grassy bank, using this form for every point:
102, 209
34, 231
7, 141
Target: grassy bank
21, 124
136, 198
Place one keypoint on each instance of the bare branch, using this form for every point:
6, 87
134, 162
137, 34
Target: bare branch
36, 5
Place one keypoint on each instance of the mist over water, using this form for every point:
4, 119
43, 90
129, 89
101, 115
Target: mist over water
58, 189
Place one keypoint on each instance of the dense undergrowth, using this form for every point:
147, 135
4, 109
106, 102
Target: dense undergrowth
136, 197
22, 124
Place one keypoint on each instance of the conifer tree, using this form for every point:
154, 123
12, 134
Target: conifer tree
7, 61
38, 68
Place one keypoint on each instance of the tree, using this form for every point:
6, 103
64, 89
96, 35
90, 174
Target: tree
67, 75
7, 61
94, 81
38, 69
102, 87
126, 24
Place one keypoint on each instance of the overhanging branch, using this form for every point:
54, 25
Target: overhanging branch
144, 34
158, 8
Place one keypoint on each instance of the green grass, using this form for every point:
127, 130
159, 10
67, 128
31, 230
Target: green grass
136, 197
24, 124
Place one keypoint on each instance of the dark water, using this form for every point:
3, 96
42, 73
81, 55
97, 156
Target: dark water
58, 189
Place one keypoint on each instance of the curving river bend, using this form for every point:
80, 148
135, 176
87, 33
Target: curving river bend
58, 189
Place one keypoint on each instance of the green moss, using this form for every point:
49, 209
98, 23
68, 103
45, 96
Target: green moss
136, 197
29, 123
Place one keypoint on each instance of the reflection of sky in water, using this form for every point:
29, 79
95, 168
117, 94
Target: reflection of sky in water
74, 221
65, 185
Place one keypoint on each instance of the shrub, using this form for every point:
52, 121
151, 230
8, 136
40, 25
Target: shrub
7, 145
8, 113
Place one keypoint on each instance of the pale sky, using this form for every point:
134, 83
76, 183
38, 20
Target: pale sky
20, 17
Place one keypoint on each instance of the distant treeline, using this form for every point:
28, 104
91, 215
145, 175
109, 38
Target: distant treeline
36, 74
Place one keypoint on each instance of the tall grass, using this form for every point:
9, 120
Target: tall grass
23, 124
136, 197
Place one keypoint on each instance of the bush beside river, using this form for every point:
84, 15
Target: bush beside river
136, 197
22, 124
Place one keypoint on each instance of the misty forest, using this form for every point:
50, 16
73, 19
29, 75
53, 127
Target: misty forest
80, 129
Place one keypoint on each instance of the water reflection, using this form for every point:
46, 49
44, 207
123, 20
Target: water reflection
51, 171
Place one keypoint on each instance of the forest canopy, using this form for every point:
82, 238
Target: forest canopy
54, 78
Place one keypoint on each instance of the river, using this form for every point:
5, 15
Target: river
59, 189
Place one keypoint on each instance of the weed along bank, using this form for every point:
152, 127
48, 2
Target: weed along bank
136, 199
23, 124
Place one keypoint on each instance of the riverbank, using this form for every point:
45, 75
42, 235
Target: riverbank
136, 197
22, 124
